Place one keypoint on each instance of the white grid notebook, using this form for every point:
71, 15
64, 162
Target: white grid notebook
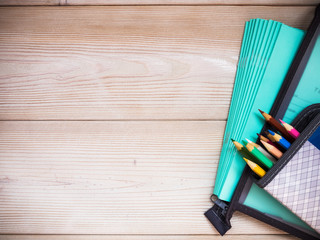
297, 185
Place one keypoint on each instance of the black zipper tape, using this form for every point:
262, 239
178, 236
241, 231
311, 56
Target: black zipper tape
305, 117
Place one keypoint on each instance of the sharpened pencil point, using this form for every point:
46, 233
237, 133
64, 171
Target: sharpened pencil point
255, 167
261, 111
271, 132
232, 140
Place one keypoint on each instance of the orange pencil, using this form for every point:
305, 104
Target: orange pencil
272, 149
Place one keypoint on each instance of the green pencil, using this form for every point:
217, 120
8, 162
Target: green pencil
266, 162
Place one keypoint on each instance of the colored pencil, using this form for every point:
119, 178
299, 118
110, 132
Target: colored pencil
291, 130
264, 152
264, 161
275, 137
272, 149
263, 138
255, 168
243, 151
274, 123
276, 144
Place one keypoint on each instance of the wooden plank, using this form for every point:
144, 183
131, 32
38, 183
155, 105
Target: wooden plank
157, 2
146, 237
32, 2
131, 62
193, 2
100, 177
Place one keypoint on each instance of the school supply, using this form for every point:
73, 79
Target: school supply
276, 138
267, 51
243, 151
267, 140
264, 152
272, 149
274, 123
283, 85
264, 161
291, 130
255, 168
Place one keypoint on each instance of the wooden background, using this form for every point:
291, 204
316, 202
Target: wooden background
112, 115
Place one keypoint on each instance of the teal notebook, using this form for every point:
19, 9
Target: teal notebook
267, 50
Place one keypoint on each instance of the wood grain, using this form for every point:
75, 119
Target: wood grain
92, 177
193, 2
147, 237
132, 62
32, 2
139, 179
157, 2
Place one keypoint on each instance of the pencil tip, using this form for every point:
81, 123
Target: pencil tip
264, 143
261, 111
232, 140
269, 131
281, 121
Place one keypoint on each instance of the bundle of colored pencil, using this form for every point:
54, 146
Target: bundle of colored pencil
261, 160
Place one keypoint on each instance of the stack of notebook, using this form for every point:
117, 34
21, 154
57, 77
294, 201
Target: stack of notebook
267, 50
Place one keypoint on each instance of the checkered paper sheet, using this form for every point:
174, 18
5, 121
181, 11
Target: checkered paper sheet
297, 185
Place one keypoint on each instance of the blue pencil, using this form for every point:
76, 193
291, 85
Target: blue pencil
274, 137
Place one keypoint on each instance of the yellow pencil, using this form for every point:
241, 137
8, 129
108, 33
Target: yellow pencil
255, 168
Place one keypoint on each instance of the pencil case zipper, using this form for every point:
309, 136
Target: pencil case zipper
302, 121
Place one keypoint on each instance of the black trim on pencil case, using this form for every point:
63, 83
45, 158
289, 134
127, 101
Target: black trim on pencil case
306, 116
277, 222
